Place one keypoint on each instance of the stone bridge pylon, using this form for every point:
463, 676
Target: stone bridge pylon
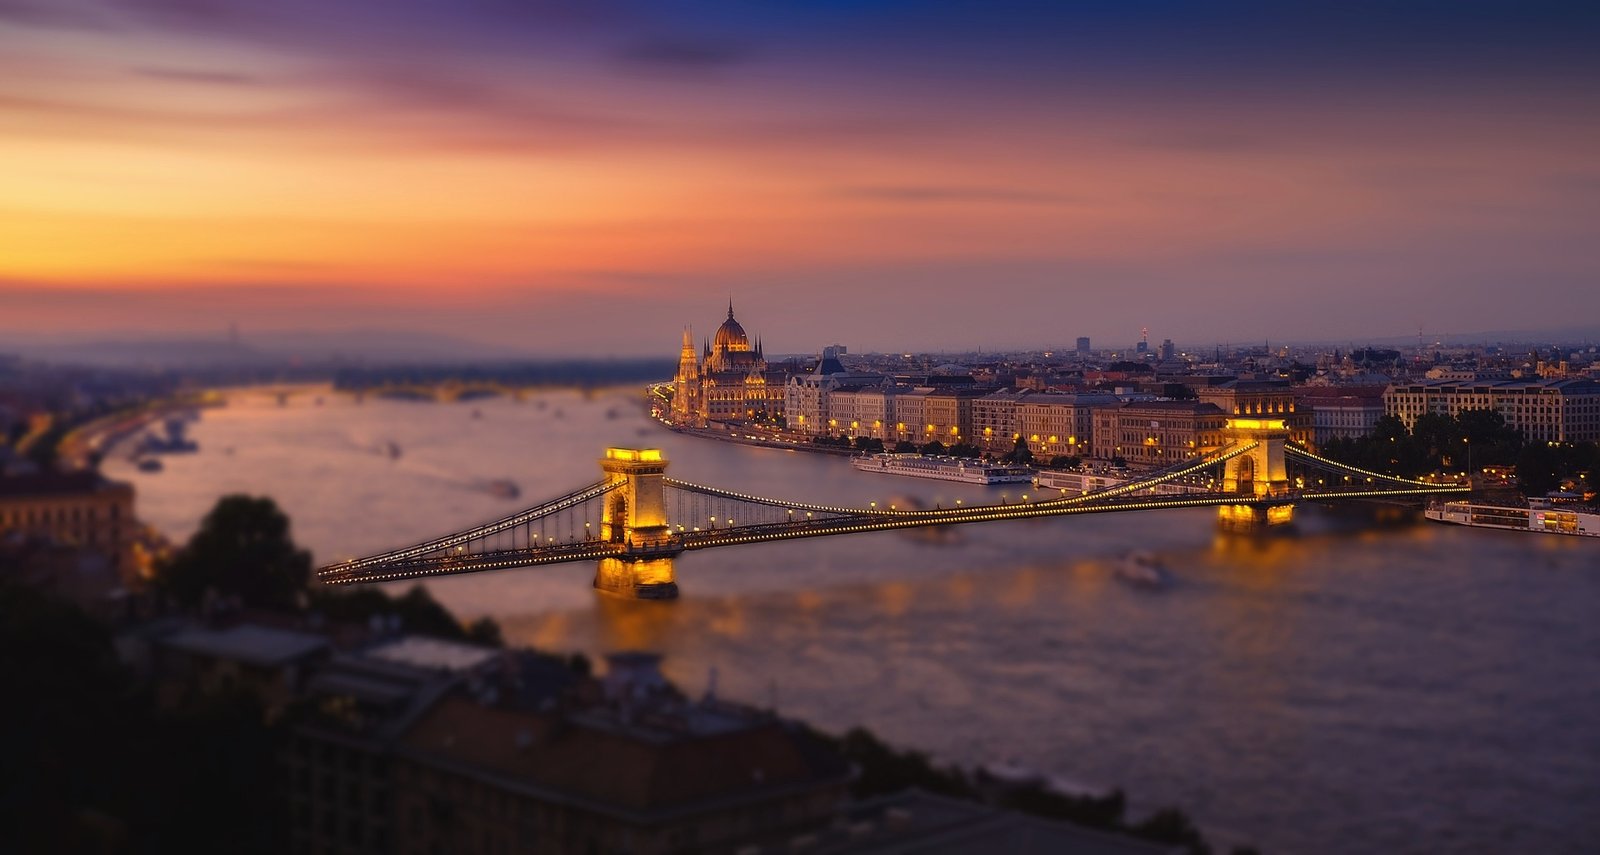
635, 517
1261, 474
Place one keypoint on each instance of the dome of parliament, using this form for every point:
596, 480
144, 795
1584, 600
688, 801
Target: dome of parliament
730, 336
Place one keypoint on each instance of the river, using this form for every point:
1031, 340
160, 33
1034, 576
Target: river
1361, 684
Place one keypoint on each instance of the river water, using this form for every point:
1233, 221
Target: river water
1362, 684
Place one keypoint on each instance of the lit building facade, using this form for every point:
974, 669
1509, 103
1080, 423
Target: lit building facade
1347, 412
1157, 433
728, 382
1542, 410
994, 420
947, 415
856, 410
1060, 425
1262, 398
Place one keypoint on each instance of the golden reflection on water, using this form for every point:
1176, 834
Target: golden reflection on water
1021, 588
624, 624
960, 589
894, 598
1258, 560
728, 619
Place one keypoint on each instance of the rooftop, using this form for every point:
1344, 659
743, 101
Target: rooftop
248, 643
571, 756
434, 654
926, 824
56, 484
1173, 407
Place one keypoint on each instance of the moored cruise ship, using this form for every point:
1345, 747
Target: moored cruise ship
944, 468
1545, 519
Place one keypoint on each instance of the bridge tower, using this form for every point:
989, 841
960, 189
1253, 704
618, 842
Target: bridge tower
635, 518
1259, 474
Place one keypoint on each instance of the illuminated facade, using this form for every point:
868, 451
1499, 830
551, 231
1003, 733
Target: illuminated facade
729, 381
1263, 398
1060, 425
1542, 410
994, 420
1157, 433
1342, 412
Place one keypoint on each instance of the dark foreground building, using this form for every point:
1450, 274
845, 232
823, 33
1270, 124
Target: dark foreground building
506, 754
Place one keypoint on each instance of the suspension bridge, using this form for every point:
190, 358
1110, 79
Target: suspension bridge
635, 520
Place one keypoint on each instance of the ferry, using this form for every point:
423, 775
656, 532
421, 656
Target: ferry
1546, 519
965, 470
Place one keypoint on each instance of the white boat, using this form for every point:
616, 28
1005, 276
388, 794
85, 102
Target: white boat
961, 469
1549, 520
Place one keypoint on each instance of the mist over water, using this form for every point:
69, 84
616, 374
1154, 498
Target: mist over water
1367, 683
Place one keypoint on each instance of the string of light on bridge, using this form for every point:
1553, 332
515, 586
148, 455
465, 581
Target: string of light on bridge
445, 555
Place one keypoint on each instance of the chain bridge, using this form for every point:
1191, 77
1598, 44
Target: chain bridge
635, 521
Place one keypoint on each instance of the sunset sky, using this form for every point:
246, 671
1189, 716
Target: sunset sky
557, 177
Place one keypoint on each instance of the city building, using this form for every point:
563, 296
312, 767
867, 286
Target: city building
1542, 410
419, 757
1157, 433
1060, 425
270, 662
729, 381
806, 397
994, 420
1341, 412
1083, 345
861, 410
1243, 397
947, 415
79, 509
914, 821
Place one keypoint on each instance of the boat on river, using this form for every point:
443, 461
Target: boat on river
1142, 570
965, 470
1539, 516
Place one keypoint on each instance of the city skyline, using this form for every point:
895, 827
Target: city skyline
892, 176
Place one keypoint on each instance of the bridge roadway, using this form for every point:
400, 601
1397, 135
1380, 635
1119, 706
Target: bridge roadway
636, 531
688, 541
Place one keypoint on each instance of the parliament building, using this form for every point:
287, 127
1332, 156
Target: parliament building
728, 381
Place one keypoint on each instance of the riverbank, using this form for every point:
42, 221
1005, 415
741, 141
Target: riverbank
82, 446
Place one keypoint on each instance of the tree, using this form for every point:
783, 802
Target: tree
1438, 437
934, 447
903, 447
1020, 453
1062, 461
243, 549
